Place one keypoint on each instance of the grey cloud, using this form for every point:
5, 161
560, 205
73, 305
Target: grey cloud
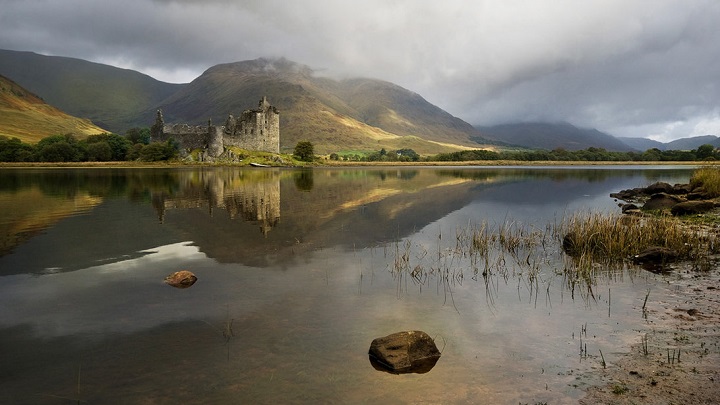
637, 67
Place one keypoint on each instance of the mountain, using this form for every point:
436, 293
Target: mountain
551, 136
692, 142
111, 97
336, 115
642, 144
26, 116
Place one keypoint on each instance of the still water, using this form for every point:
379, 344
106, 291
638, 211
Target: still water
297, 273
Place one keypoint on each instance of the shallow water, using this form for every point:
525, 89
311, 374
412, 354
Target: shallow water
298, 271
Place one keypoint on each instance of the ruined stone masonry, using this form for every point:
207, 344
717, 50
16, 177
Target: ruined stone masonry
257, 130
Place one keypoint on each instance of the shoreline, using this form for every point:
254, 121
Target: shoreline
679, 362
326, 164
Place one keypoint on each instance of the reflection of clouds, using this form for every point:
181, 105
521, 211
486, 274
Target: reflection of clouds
110, 297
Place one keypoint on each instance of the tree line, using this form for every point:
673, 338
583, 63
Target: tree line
592, 154
108, 147
702, 153
135, 145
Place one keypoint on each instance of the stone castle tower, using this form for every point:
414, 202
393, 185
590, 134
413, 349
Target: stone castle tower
257, 130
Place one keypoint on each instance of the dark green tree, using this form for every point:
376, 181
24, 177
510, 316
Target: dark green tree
305, 151
407, 155
705, 151
138, 135
59, 148
99, 152
14, 150
157, 151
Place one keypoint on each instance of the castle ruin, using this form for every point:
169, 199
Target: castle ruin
257, 130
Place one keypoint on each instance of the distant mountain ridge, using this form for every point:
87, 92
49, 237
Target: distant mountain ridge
541, 135
642, 144
549, 136
689, 143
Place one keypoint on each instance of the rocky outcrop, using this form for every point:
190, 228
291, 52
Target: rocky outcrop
678, 199
404, 352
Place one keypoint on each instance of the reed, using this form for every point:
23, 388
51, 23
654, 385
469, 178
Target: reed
613, 239
581, 247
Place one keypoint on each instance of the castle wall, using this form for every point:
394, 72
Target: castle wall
189, 137
255, 130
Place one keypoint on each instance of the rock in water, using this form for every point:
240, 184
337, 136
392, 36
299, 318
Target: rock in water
404, 352
181, 279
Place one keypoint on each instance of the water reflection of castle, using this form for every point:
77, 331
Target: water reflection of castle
253, 196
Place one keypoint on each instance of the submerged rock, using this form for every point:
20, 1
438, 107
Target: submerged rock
404, 352
181, 279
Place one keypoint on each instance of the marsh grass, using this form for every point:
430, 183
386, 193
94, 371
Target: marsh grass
709, 178
614, 240
581, 248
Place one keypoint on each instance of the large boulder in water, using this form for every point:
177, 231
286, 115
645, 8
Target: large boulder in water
181, 279
404, 352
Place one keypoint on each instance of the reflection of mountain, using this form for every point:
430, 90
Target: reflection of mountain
29, 211
253, 195
220, 209
352, 208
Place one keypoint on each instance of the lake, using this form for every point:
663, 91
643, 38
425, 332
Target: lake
298, 271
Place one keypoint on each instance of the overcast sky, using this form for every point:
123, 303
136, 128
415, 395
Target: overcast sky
646, 68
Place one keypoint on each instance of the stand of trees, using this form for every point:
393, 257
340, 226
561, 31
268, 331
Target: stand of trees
135, 145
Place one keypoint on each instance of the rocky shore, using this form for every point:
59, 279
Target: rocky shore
678, 361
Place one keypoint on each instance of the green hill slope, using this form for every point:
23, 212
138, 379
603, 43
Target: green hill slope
111, 97
25, 116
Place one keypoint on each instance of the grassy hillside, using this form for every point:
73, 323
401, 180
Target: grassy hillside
27, 117
111, 97
403, 112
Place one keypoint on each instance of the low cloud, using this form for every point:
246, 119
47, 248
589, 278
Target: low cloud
632, 68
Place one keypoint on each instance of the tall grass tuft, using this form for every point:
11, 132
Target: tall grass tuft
709, 178
613, 239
